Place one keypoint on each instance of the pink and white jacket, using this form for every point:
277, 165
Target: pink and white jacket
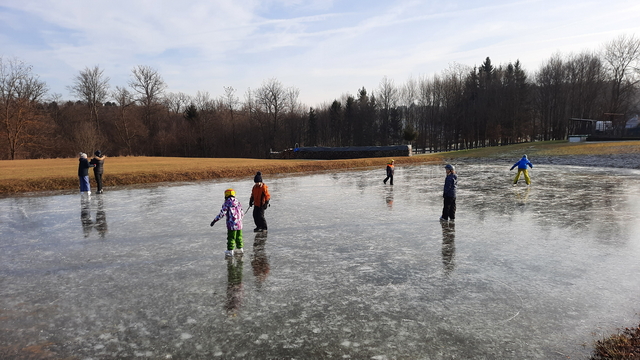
233, 210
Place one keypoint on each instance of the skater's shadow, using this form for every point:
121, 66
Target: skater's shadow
85, 215
101, 218
235, 289
448, 246
389, 198
522, 196
259, 259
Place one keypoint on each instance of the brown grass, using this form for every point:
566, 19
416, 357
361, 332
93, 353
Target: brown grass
621, 346
60, 174
18, 176
551, 148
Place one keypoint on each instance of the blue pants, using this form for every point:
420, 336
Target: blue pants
84, 183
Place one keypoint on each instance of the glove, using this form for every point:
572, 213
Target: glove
213, 222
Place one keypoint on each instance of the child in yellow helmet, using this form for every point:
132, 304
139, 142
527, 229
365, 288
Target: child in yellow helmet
233, 210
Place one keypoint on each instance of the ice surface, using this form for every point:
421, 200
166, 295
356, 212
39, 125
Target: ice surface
350, 268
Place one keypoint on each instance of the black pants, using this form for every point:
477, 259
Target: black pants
258, 218
389, 177
98, 180
449, 209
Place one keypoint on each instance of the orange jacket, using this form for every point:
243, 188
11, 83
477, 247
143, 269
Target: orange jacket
259, 195
390, 169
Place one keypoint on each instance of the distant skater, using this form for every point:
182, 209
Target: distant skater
260, 201
83, 174
390, 171
449, 194
522, 169
98, 162
233, 210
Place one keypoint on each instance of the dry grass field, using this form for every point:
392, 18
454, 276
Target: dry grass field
550, 148
18, 176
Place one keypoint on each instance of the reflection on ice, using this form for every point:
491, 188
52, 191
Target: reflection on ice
259, 259
448, 245
88, 224
235, 289
351, 268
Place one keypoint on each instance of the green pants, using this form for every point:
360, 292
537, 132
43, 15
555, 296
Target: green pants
526, 176
234, 239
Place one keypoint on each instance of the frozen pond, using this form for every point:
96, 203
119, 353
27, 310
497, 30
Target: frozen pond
350, 268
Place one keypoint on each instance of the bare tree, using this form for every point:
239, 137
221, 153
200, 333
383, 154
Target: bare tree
148, 86
295, 118
388, 100
291, 96
20, 91
176, 102
271, 99
586, 75
551, 99
230, 102
256, 139
621, 57
91, 87
127, 128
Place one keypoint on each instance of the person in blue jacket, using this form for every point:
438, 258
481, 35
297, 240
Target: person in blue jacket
449, 194
522, 169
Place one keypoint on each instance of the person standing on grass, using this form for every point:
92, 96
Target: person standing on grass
98, 162
232, 209
522, 169
260, 201
390, 171
449, 194
83, 174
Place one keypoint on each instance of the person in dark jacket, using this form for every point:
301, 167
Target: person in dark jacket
260, 201
522, 169
83, 173
449, 194
98, 162
390, 171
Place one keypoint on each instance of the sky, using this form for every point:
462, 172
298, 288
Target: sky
324, 48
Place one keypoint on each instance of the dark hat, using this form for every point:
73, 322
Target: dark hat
97, 153
258, 177
450, 167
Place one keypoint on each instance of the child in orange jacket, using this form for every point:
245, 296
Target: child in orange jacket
260, 201
390, 171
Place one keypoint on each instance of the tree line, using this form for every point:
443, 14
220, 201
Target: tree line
460, 108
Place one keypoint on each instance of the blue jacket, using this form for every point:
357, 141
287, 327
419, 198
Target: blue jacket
522, 163
450, 185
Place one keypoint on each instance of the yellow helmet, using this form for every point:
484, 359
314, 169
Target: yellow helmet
229, 192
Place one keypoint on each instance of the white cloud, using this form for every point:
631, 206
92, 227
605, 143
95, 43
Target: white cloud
323, 48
